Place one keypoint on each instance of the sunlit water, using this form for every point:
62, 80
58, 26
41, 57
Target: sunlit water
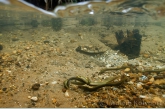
42, 43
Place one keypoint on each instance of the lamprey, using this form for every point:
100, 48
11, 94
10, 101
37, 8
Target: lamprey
133, 69
80, 79
110, 83
91, 86
114, 68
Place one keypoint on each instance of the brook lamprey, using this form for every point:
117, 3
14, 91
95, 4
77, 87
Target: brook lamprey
81, 80
86, 84
110, 83
133, 69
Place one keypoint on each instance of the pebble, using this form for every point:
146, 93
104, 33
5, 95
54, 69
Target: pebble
4, 89
163, 95
146, 86
14, 52
54, 82
157, 100
1, 91
130, 82
142, 96
46, 42
46, 83
29, 97
54, 100
27, 48
139, 86
127, 75
72, 41
64, 90
159, 77
36, 86
149, 83
151, 80
127, 70
34, 98
66, 94
143, 78
146, 55
152, 91
1, 47
14, 39
161, 86
121, 97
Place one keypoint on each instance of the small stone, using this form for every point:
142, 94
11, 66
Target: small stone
127, 70
130, 82
127, 75
163, 95
46, 42
54, 100
14, 52
46, 83
58, 50
79, 34
121, 97
19, 51
143, 78
1, 91
66, 94
149, 83
54, 82
64, 90
43, 38
159, 77
72, 41
146, 86
162, 86
36, 86
152, 91
27, 48
58, 104
157, 100
142, 96
4, 89
14, 39
34, 98
104, 96
151, 80
146, 55
139, 86
1, 47
29, 97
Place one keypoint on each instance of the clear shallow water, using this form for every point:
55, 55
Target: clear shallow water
40, 47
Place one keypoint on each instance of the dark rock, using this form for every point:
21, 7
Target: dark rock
1, 47
159, 77
102, 104
36, 86
129, 44
161, 86
14, 39
58, 104
146, 86
46, 42
64, 90
4, 89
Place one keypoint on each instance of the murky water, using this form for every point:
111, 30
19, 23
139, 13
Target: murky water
45, 48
